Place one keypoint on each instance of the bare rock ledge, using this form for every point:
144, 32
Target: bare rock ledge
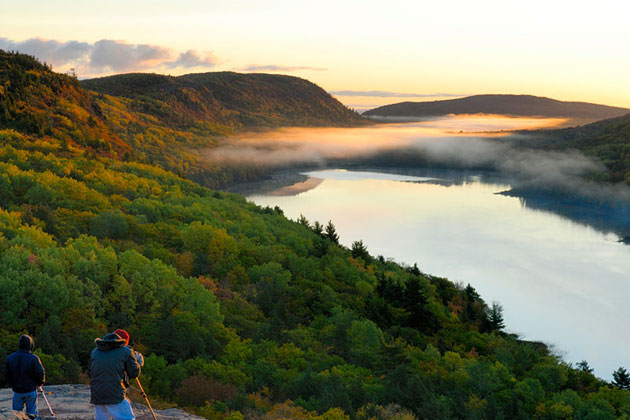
72, 402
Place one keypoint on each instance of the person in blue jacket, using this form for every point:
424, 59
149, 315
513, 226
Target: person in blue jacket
25, 373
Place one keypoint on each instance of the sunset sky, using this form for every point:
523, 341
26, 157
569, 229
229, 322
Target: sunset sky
365, 52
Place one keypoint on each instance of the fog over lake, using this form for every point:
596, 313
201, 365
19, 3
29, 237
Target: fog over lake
563, 278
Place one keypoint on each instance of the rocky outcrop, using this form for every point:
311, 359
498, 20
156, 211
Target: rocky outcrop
72, 402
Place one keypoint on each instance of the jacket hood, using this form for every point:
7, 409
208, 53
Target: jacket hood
26, 343
109, 342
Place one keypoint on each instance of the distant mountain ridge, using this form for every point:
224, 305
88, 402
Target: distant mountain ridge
516, 105
228, 98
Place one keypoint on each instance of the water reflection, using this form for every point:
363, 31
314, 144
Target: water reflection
609, 216
605, 216
561, 282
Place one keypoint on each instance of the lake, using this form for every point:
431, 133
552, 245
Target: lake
559, 279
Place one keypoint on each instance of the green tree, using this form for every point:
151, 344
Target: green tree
318, 228
359, 250
621, 378
583, 366
303, 221
331, 232
494, 317
109, 224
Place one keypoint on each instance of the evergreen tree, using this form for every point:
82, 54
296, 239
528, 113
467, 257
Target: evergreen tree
416, 303
414, 270
359, 250
583, 366
621, 378
303, 221
318, 228
471, 312
331, 232
495, 317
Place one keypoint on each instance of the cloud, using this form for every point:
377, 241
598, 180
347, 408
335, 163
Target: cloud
274, 68
120, 56
192, 58
108, 56
387, 94
51, 51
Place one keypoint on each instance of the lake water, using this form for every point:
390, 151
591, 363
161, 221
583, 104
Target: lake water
559, 281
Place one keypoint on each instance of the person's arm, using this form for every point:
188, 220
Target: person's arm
139, 357
132, 367
7, 372
89, 367
39, 374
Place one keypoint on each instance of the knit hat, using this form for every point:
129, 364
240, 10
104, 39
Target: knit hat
122, 334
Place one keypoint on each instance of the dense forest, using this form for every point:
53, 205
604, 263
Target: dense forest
518, 105
240, 312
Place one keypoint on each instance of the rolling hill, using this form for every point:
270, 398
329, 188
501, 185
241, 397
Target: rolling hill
513, 105
228, 98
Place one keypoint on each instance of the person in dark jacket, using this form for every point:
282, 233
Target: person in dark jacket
112, 365
24, 372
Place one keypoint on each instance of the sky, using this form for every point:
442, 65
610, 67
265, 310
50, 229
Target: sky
366, 53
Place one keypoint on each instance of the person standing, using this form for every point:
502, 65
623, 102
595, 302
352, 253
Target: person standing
112, 365
24, 372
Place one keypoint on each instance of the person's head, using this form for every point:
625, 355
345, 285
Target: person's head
26, 343
122, 334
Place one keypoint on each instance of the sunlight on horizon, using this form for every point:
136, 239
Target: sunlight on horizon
562, 50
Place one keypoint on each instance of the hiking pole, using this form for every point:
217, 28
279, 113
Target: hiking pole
144, 394
41, 388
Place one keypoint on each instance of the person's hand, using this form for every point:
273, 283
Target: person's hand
139, 358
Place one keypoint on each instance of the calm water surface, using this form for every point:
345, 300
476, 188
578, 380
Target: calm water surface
560, 282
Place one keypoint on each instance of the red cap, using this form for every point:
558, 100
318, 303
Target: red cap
122, 334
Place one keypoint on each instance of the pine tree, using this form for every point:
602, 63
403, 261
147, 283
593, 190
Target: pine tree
359, 250
414, 270
495, 317
331, 232
318, 228
416, 304
303, 221
621, 378
583, 366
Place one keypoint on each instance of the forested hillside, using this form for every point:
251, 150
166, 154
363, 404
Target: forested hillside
608, 141
157, 119
242, 313
226, 98
521, 105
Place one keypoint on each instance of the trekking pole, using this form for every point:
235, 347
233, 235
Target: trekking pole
144, 394
41, 388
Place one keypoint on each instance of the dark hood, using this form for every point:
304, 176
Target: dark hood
26, 343
109, 342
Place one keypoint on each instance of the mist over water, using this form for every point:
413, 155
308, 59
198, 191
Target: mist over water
459, 142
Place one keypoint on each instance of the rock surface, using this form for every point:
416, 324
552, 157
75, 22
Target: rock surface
12, 415
72, 402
